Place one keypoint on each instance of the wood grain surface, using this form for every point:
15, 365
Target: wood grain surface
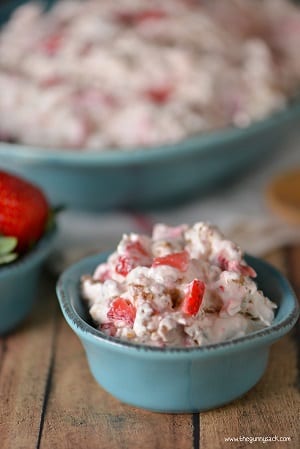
49, 400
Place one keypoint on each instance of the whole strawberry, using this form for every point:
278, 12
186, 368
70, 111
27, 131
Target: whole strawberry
24, 211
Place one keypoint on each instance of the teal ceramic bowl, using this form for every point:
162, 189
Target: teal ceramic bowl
153, 177
177, 379
146, 177
19, 282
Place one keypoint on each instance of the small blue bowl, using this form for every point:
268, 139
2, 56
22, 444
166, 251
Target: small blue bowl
177, 379
18, 284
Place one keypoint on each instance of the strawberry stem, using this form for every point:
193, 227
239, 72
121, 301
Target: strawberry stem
52, 215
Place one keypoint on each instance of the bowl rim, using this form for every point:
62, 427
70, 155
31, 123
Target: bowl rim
40, 250
84, 330
197, 143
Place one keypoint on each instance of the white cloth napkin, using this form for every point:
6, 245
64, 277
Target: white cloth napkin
239, 210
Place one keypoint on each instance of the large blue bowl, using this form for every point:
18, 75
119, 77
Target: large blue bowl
171, 379
19, 282
151, 177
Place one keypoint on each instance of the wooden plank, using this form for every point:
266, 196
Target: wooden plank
24, 364
278, 259
271, 408
49, 399
293, 257
81, 414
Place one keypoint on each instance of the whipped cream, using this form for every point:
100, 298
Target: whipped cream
184, 286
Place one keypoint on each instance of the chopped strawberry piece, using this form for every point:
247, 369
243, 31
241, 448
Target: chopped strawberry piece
159, 94
130, 18
52, 81
135, 255
234, 265
176, 260
246, 270
223, 262
51, 44
124, 265
136, 247
150, 14
194, 297
122, 309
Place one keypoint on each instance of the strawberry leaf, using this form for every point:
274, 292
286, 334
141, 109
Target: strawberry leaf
8, 258
7, 246
52, 216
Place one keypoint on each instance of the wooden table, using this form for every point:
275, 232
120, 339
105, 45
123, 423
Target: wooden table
49, 400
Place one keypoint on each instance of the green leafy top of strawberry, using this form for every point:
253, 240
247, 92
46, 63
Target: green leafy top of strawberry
7, 249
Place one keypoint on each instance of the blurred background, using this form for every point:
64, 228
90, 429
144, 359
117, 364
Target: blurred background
135, 112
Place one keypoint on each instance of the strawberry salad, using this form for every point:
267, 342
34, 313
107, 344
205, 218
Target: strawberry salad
103, 74
185, 286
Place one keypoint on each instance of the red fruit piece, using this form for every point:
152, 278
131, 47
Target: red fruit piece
159, 94
52, 81
134, 18
150, 14
136, 247
51, 44
176, 260
135, 253
223, 262
246, 270
234, 265
24, 210
122, 309
194, 297
124, 265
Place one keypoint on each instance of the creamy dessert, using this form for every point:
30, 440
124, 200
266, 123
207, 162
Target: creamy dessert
184, 286
102, 74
